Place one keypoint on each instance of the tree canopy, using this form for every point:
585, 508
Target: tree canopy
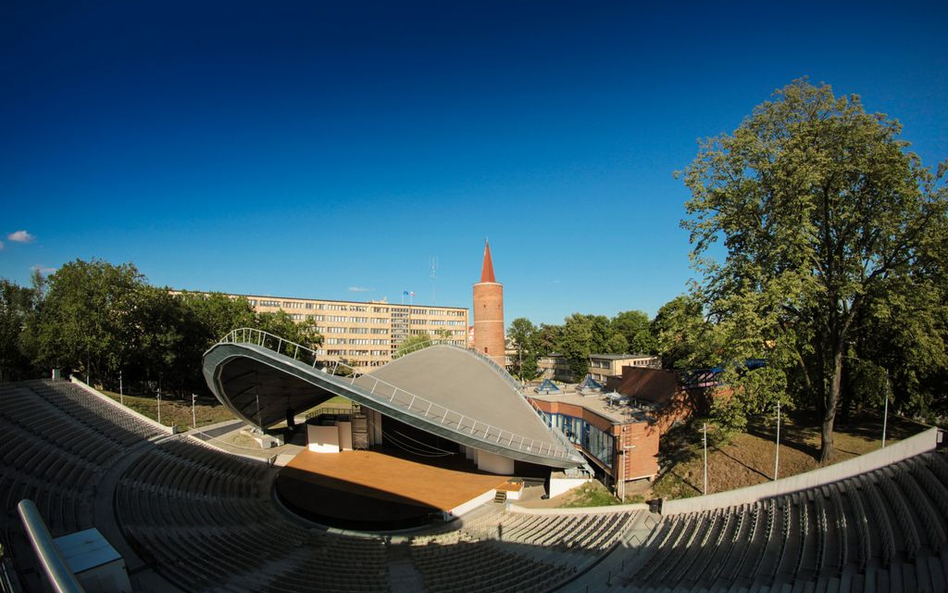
524, 336
811, 223
102, 320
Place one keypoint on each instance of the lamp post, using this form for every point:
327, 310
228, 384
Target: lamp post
704, 438
194, 422
159, 405
777, 455
885, 417
121, 389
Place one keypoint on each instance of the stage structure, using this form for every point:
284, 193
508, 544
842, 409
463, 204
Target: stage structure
441, 389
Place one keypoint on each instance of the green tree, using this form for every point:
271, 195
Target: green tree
413, 343
576, 344
684, 338
524, 336
823, 214
637, 330
80, 323
16, 308
153, 345
745, 392
548, 339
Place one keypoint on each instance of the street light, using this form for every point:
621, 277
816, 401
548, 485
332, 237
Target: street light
159, 405
885, 417
704, 437
194, 422
777, 455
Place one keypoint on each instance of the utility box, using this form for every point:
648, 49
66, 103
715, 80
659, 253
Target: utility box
96, 564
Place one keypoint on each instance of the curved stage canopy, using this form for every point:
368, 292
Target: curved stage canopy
442, 389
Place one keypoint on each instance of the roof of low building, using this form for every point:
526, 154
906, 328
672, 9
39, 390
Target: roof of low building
621, 356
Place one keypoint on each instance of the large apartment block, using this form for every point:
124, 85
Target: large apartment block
367, 334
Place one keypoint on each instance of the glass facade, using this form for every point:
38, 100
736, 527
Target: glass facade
596, 442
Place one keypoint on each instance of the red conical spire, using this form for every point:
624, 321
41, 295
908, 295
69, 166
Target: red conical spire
487, 272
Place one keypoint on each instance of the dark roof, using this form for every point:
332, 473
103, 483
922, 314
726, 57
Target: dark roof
621, 356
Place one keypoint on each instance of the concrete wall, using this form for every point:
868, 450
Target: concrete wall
561, 485
495, 464
322, 439
473, 503
345, 435
116, 404
619, 508
893, 453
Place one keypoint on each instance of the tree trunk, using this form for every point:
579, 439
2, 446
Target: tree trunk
829, 411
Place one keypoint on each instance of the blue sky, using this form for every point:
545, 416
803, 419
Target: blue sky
329, 150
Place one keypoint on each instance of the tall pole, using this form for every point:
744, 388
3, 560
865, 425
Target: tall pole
121, 389
194, 422
885, 417
705, 439
259, 424
159, 405
777, 456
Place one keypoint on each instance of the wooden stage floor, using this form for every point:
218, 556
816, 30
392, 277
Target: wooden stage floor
381, 486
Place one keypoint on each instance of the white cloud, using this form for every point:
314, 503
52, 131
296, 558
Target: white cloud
44, 270
360, 289
21, 237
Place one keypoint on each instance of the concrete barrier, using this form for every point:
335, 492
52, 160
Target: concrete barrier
613, 509
127, 410
920, 443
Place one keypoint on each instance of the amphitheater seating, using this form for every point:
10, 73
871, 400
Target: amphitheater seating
196, 514
885, 530
458, 562
589, 533
205, 521
58, 441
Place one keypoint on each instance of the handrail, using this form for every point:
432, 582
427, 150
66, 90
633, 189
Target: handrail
60, 578
412, 403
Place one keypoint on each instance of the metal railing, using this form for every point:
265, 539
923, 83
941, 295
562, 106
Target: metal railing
407, 401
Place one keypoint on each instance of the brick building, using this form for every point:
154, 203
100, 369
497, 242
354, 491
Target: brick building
618, 435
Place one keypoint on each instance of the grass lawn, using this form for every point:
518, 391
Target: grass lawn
747, 458
175, 412
178, 412
590, 494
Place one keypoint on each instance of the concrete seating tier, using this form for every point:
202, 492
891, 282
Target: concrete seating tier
459, 562
592, 533
884, 530
198, 517
58, 441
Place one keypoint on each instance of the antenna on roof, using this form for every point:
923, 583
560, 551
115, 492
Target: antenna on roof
434, 277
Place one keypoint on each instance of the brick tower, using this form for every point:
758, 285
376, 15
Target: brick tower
489, 312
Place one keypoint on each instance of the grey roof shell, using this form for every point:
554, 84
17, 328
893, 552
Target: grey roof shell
441, 389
